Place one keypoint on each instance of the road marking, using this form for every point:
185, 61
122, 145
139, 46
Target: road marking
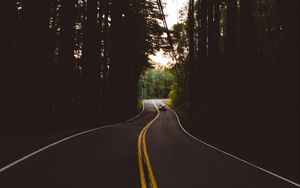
142, 152
228, 154
140, 161
143, 108
63, 140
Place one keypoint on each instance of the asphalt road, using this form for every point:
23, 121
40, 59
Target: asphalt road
179, 161
152, 147
103, 158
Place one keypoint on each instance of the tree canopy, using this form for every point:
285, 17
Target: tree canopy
76, 60
238, 76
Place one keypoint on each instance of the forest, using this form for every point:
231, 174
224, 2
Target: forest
75, 61
235, 83
237, 78
155, 83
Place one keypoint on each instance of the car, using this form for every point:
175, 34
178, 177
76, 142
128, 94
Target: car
162, 108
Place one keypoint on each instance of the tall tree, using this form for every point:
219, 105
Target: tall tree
136, 40
217, 32
9, 20
33, 58
64, 72
202, 41
202, 68
247, 34
117, 66
91, 59
210, 30
230, 46
191, 55
106, 49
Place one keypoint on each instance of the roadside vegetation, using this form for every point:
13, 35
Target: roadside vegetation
155, 83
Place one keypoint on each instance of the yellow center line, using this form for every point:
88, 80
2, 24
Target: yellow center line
142, 151
140, 159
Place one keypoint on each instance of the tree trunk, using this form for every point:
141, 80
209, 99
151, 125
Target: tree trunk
191, 57
106, 52
33, 60
8, 38
117, 68
247, 30
202, 51
91, 62
230, 46
217, 32
210, 30
64, 77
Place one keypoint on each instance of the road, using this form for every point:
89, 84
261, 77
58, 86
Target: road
150, 150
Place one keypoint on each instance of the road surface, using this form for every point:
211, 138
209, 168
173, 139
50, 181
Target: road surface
150, 150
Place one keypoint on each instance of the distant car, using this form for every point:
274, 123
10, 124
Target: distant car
162, 108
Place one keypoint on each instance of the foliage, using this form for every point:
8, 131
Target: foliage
155, 83
72, 57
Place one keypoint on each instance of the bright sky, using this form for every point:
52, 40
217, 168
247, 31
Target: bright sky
172, 16
172, 11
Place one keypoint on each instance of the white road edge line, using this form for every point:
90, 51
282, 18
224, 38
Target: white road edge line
228, 154
65, 139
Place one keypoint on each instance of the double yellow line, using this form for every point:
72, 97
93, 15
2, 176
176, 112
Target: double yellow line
143, 156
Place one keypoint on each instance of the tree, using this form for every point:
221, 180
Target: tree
217, 32
9, 21
248, 55
247, 36
71, 56
91, 59
191, 55
202, 44
64, 73
129, 49
32, 53
230, 46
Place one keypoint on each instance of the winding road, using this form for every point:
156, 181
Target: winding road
150, 150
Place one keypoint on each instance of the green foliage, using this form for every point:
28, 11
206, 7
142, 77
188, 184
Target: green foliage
176, 97
155, 83
139, 104
178, 89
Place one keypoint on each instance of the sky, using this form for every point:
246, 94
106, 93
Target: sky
171, 11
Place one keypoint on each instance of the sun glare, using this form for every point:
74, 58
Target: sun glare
161, 60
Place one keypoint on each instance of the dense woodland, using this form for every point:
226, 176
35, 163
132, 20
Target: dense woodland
67, 61
235, 84
237, 80
155, 83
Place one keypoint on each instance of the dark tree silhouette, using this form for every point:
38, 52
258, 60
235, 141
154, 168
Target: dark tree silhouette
64, 75
202, 45
32, 53
76, 61
9, 20
91, 60
248, 79
217, 32
191, 66
230, 43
